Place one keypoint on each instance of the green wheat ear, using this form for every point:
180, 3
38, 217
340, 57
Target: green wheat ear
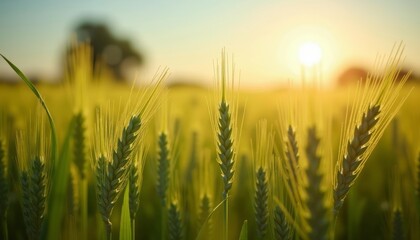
175, 222
292, 154
26, 202
134, 191
261, 202
281, 226
352, 162
204, 212
225, 146
163, 168
112, 175
292, 148
34, 188
79, 144
376, 104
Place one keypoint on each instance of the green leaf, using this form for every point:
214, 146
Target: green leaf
200, 233
244, 231
39, 96
58, 193
125, 223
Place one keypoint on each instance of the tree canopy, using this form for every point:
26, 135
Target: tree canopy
117, 54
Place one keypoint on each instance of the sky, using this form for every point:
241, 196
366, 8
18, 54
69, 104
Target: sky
187, 36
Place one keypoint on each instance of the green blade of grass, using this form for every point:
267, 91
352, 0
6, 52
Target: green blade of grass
59, 190
244, 231
200, 232
125, 223
39, 96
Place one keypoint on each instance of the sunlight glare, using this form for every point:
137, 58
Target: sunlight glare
310, 53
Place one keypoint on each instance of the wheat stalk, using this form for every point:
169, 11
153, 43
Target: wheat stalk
375, 106
316, 196
78, 77
112, 175
352, 161
222, 122
34, 164
226, 156
262, 159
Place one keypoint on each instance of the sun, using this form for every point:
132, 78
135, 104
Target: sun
310, 53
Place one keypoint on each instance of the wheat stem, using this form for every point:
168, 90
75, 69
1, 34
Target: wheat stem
226, 156
226, 217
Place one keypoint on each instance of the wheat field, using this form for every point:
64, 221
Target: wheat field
92, 159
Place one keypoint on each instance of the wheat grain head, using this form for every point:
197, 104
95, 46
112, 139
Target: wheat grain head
374, 107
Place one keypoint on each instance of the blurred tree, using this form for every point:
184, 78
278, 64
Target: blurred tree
117, 54
352, 75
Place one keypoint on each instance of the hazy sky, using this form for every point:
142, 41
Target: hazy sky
187, 35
